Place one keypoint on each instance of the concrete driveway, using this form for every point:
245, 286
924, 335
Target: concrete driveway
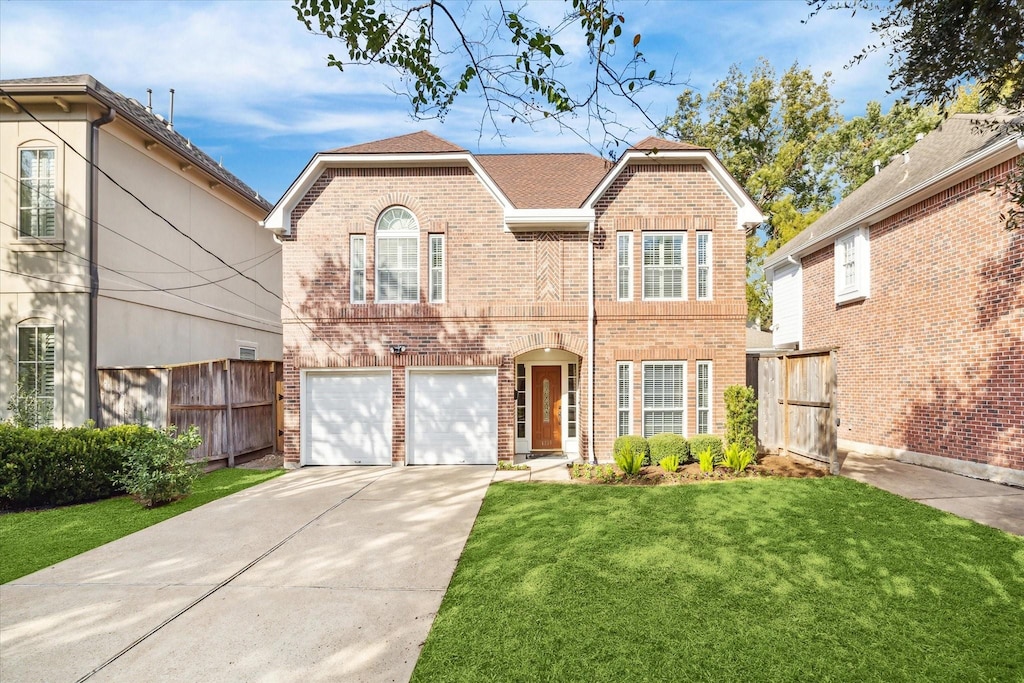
323, 574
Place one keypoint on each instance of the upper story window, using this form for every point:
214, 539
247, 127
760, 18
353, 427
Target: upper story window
624, 269
397, 256
37, 174
703, 266
665, 266
436, 275
357, 269
852, 260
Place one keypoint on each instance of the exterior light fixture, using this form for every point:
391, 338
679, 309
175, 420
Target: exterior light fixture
398, 349
547, 349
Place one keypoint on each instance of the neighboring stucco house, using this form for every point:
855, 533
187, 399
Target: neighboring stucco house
100, 200
918, 284
448, 307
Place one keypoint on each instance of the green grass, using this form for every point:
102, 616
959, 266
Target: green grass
770, 580
33, 540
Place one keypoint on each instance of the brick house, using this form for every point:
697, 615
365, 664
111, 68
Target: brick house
916, 281
447, 307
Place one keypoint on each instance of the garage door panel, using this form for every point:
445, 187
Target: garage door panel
453, 418
349, 418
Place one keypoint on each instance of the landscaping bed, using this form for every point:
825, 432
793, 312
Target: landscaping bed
690, 473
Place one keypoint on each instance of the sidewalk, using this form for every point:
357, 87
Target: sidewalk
994, 505
548, 468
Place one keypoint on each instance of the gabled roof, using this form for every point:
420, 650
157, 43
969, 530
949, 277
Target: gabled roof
937, 161
136, 114
652, 143
545, 181
420, 142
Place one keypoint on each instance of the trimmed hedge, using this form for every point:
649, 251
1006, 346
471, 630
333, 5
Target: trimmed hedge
48, 467
664, 445
634, 444
701, 441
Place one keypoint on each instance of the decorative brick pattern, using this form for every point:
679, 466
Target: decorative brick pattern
508, 293
933, 360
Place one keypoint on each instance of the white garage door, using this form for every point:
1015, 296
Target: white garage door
453, 418
348, 418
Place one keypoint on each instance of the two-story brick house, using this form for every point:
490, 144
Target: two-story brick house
916, 281
447, 307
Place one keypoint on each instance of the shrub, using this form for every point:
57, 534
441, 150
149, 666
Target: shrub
631, 457
740, 414
48, 466
632, 443
706, 458
664, 445
603, 473
736, 458
703, 441
159, 470
670, 463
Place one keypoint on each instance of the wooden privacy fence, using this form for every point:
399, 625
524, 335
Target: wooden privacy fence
232, 402
796, 406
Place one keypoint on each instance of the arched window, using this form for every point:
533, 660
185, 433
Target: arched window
37, 175
397, 256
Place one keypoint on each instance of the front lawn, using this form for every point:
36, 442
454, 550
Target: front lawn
36, 539
771, 580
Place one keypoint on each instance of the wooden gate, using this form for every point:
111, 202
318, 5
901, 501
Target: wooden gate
796, 410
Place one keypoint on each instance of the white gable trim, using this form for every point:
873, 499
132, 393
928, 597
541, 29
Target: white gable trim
747, 213
540, 220
280, 218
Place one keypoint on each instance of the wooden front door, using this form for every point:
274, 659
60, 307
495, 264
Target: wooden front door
547, 408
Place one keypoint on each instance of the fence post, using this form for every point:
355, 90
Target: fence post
833, 446
785, 405
228, 422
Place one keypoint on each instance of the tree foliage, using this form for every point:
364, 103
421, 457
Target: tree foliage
767, 130
444, 48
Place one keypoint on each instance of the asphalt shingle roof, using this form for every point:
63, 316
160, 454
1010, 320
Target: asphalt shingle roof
956, 139
420, 142
545, 181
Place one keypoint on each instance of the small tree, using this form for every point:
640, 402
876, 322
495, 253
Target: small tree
159, 470
740, 413
23, 406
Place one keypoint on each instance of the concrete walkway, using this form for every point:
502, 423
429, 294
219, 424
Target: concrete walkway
546, 468
991, 504
323, 574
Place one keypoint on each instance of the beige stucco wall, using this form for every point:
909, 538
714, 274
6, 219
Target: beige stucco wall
193, 321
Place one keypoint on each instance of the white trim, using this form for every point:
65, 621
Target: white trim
431, 239
351, 272
569, 445
395, 235
628, 365
541, 220
242, 344
629, 265
685, 408
684, 289
861, 287
709, 265
747, 213
711, 393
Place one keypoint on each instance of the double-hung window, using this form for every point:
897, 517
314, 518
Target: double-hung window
37, 173
436, 269
703, 397
703, 266
397, 256
36, 366
624, 402
624, 270
664, 397
357, 269
852, 259
664, 265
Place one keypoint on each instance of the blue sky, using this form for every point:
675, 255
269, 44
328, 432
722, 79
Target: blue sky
253, 89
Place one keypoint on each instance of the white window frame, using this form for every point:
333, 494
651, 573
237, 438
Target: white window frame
435, 273
704, 397
682, 265
704, 266
854, 244
680, 403
383, 233
35, 364
624, 266
248, 346
357, 273
623, 400
33, 185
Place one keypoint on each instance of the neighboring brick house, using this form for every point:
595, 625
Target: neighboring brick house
916, 281
447, 307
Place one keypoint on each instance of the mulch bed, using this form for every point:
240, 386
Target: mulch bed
767, 466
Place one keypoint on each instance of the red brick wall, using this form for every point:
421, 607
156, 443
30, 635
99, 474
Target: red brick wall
507, 293
933, 360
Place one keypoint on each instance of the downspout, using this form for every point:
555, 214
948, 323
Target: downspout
92, 199
590, 345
